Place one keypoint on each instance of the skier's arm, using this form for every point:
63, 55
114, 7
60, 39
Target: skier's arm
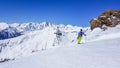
84, 34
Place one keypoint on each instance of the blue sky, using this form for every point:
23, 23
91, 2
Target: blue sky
74, 12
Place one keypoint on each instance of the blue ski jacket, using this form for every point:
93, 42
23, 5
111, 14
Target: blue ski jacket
81, 33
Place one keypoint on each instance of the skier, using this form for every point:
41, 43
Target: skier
58, 37
80, 34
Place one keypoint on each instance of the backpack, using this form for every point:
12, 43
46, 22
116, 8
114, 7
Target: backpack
59, 33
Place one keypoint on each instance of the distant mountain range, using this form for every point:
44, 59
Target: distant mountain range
14, 30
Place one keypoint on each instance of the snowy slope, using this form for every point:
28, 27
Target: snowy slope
99, 47
100, 54
27, 43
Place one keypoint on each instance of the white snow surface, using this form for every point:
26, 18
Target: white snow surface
34, 49
100, 54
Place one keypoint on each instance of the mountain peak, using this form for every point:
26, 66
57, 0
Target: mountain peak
3, 25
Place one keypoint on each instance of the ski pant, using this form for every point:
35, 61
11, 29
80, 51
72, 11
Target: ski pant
79, 39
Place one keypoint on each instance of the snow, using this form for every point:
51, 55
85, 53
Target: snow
101, 54
103, 16
94, 18
113, 17
32, 41
34, 49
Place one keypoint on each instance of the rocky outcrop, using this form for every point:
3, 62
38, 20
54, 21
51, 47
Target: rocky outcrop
109, 18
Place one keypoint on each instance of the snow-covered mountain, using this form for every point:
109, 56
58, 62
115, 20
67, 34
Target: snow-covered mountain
30, 26
14, 30
9, 32
23, 39
99, 46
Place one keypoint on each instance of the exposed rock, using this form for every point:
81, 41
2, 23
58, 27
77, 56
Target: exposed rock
95, 23
109, 18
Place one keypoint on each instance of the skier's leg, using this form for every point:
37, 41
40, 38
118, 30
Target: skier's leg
79, 39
